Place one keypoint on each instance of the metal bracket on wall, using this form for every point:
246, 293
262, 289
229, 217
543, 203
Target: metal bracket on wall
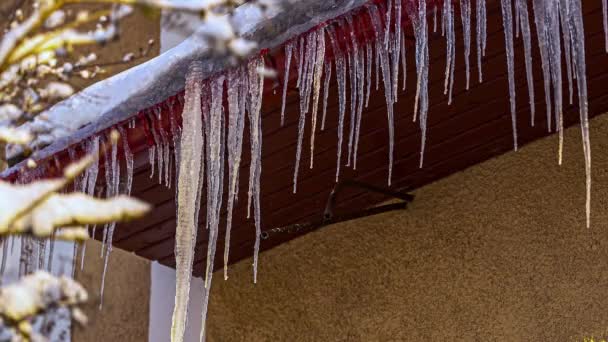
329, 217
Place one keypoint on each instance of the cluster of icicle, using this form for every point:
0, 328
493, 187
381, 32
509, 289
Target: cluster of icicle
559, 26
207, 140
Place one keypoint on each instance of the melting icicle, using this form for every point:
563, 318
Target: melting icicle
301, 44
418, 19
188, 184
577, 36
386, 75
435, 19
465, 15
507, 15
237, 84
256, 88
450, 38
318, 72
352, 73
114, 185
563, 7
555, 59
327, 81
305, 90
341, 78
396, 49
214, 131
481, 34
288, 54
524, 23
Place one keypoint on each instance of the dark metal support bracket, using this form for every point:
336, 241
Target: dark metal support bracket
329, 217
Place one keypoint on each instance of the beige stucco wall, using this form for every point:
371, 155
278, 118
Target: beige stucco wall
498, 252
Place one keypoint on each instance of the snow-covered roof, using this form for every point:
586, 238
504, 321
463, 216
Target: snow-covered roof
117, 98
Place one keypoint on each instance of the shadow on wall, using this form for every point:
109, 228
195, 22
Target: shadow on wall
496, 252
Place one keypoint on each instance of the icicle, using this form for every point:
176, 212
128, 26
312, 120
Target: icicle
384, 60
418, 19
353, 61
465, 15
404, 60
256, 88
577, 36
4, 257
563, 7
318, 72
341, 78
191, 157
301, 44
237, 80
396, 49
368, 71
305, 90
435, 19
605, 11
543, 44
555, 59
288, 54
448, 10
524, 23
110, 229
128, 159
152, 158
109, 189
481, 34
507, 16
360, 99
327, 81
214, 131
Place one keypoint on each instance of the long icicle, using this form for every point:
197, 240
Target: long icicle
237, 83
318, 72
215, 133
256, 89
191, 156
465, 15
577, 34
507, 22
341, 79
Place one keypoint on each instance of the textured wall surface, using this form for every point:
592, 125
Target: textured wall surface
125, 311
498, 252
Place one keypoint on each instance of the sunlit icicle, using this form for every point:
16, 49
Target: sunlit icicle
92, 173
108, 187
481, 35
577, 36
524, 24
507, 16
159, 142
110, 231
237, 80
341, 79
189, 177
214, 131
305, 86
288, 56
465, 14
326, 83
450, 38
301, 45
318, 73
555, 59
386, 75
256, 88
